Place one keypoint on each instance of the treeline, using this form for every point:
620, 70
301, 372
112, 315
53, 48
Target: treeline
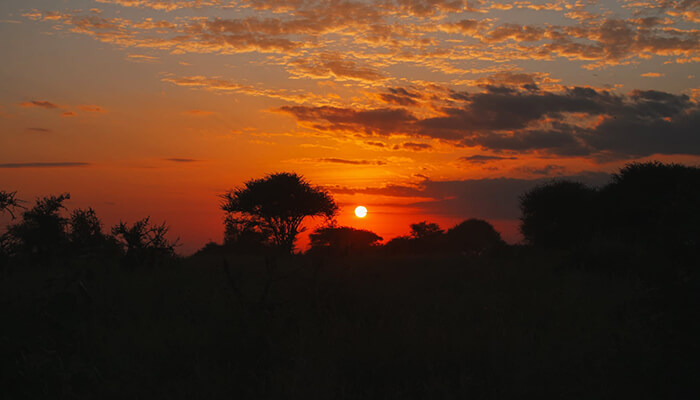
44, 235
647, 211
647, 216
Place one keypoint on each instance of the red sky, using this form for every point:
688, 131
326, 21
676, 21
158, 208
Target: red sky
436, 110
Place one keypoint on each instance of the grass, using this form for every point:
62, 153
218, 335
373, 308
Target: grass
374, 327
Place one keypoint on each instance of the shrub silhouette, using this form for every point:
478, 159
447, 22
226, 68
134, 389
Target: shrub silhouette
144, 243
425, 230
473, 236
41, 234
277, 204
558, 214
400, 245
85, 234
425, 237
343, 240
8, 203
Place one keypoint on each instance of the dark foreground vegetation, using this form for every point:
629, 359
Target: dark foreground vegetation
602, 302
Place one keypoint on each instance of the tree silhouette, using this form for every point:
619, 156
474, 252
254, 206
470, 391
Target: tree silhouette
85, 233
277, 204
425, 230
473, 236
343, 240
244, 235
143, 242
41, 234
653, 206
401, 245
558, 214
8, 202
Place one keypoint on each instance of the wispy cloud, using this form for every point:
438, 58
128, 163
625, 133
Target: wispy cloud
413, 146
483, 158
182, 160
351, 162
143, 58
45, 165
40, 103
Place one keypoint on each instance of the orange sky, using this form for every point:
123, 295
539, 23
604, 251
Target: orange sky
435, 110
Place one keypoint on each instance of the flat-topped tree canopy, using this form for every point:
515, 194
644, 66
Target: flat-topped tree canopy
279, 202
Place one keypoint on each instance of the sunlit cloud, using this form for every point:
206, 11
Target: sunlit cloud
351, 162
142, 58
165, 5
526, 121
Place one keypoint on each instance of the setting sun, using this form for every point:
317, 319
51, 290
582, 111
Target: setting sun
361, 211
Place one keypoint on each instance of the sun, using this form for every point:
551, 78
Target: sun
361, 211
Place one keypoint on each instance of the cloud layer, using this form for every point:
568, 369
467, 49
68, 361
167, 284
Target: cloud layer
575, 121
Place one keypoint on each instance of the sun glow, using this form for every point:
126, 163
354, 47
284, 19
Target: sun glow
361, 211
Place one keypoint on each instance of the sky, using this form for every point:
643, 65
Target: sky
437, 110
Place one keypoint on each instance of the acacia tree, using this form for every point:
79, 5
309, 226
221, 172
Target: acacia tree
278, 203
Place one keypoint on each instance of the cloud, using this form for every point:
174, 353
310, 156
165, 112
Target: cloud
383, 121
332, 65
413, 146
69, 114
391, 190
142, 58
496, 198
547, 170
164, 5
40, 103
376, 144
575, 121
217, 84
652, 75
400, 96
351, 162
483, 159
45, 165
182, 160
42, 130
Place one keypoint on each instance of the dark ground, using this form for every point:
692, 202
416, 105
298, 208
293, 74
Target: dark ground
512, 325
